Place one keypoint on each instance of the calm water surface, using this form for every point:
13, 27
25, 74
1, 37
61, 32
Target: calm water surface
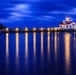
50, 53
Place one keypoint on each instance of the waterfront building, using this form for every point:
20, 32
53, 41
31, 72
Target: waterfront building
67, 24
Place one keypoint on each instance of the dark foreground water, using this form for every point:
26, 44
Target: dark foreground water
50, 53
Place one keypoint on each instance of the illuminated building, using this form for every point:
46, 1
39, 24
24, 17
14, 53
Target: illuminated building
67, 24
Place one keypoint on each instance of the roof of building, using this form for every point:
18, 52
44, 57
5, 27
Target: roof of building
67, 21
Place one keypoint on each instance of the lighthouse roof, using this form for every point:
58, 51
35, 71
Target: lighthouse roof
67, 21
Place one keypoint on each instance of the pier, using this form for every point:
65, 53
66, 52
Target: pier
21, 30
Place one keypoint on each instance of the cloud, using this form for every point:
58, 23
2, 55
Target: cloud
35, 10
20, 7
46, 18
18, 12
72, 11
2, 20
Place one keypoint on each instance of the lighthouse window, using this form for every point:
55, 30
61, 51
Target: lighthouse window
60, 26
66, 26
69, 26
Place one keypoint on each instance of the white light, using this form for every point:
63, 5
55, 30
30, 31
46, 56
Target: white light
67, 18
41, 28
34, 28
6, 29
26, 29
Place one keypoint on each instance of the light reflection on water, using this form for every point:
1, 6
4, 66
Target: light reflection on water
56, 49
55, 45
7, 52
17, 53
17, 48
48, 41
26, 47
7, 46
42, 42
52, 57
42, 50
34, 44
67, 37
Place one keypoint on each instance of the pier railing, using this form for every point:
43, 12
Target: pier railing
36, 30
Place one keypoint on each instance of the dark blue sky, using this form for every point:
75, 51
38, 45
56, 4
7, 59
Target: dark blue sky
35, 13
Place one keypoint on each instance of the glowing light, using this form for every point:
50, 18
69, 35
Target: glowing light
48, 41
42, 41
41, 29
67, 51
67, 18
6, 29
48, 29
7, 44
17, 45
17, 52
34, 45
34, 41
34, 29
55, 28
26, 44
26, 49
42, 46
55, 41
17, 29
7, 52
26, 29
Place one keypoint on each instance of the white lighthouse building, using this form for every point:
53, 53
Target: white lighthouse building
67, 24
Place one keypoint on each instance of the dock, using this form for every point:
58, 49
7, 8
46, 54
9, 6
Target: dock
22, 30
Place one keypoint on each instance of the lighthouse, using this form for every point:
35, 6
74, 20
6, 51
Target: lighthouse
67, 24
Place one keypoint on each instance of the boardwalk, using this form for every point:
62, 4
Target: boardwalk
12, 30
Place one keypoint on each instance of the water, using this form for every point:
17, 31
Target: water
50, 53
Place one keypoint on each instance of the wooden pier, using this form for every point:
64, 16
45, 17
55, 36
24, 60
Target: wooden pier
21, 30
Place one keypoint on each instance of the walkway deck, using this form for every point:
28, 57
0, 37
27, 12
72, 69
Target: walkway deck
12, 30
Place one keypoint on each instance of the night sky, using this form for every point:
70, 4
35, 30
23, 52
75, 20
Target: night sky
36, 13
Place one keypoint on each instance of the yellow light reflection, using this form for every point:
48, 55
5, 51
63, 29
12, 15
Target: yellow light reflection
55, 43
26, 45
7, 51
58, 40
48, 40
48, 46
17, 47
48, 29
42, 48
42, 42
34, 42
67, 51
26, 50
34, 46
7, 45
